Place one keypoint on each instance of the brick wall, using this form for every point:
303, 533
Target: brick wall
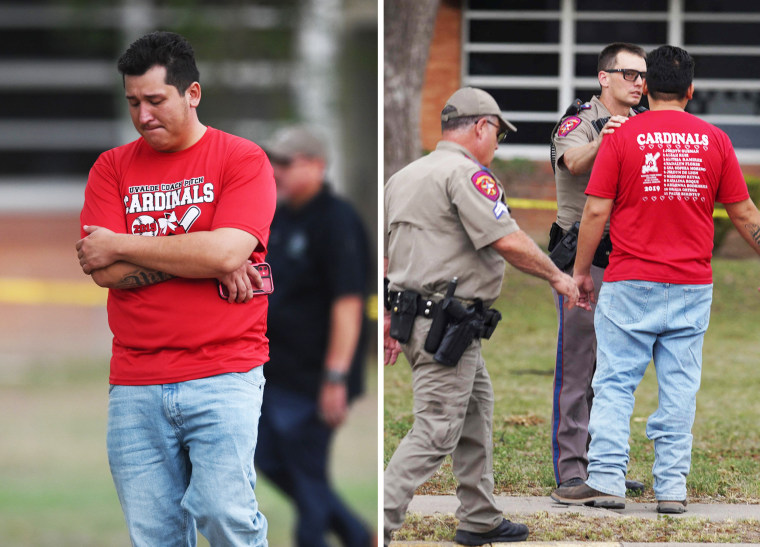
443, 73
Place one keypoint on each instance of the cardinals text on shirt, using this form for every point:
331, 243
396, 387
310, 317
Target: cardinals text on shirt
163, 197
657, 137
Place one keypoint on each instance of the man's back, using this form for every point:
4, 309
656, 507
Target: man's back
672, 167
318, 253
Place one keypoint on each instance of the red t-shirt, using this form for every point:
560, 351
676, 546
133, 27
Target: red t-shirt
665, 170
181, 329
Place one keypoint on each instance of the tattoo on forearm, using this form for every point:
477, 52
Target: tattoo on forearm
142, 278
754, 232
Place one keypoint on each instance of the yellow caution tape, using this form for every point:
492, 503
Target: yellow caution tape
86, 294
371, 307
51, 292
548, 205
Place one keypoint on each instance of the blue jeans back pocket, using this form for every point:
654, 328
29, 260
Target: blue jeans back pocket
628, 302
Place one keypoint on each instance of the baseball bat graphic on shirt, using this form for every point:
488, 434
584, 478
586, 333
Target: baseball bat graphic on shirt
190, 216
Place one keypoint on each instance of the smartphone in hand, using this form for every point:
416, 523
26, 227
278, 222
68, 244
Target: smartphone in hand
265, 271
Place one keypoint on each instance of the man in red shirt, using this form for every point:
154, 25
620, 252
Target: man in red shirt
186, 376
659, 175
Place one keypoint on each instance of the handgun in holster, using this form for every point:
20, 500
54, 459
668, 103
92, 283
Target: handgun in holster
465, 324
563, 253
440, 321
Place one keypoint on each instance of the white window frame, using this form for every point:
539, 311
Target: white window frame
565, 82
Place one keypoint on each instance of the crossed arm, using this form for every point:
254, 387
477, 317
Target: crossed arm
127, 261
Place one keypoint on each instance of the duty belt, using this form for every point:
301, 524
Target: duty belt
426, 307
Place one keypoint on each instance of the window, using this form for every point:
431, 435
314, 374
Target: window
536, 57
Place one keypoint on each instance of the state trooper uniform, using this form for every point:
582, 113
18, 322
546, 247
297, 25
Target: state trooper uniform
576, 339
442, 212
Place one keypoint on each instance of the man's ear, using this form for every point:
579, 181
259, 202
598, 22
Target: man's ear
690, 92
604, 78
193, 94
479, 127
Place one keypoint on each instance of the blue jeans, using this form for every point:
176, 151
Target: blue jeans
293, 452
635, 322
182, 454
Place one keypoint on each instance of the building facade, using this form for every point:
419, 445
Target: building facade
536, 56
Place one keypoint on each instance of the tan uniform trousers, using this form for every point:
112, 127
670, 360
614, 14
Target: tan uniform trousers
453, 412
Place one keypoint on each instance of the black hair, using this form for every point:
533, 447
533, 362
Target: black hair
161, 48
609, 54
670, 71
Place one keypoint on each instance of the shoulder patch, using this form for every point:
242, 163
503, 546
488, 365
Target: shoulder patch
567, 125
486, 185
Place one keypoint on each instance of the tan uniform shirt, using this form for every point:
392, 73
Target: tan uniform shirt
572, 131
442, 212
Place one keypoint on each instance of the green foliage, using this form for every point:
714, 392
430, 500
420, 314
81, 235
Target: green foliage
724, 225
520, 360
55, 484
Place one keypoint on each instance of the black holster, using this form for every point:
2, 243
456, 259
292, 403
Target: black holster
403, 313
465, 324
437, 330
563, 252
602, 254
491, 318
440, 320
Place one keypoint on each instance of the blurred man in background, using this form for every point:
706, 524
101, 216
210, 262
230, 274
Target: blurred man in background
320, 266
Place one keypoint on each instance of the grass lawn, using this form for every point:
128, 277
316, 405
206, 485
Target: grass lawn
520, 360
55, 486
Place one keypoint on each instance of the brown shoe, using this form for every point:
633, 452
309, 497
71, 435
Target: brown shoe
583, 494
671, 507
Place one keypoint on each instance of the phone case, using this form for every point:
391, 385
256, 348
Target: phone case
265, 271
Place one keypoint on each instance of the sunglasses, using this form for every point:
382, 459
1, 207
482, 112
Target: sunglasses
501, 136
629, 74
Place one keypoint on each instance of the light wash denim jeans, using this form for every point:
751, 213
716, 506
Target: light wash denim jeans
635, 322
182, 454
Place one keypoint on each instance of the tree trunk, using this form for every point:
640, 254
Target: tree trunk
408, 31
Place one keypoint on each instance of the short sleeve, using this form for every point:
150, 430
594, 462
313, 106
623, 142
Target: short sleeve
481, 206
103, 204
732, 187
606, 171
248, 197
348, 255
572, 132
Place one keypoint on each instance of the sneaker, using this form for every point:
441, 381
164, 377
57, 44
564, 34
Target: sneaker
505, 532
585, 495
634, 486
671, 507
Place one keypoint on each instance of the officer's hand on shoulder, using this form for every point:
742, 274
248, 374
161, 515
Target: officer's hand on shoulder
613, 123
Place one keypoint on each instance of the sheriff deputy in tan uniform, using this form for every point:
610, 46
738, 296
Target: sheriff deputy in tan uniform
446, 217
575, 142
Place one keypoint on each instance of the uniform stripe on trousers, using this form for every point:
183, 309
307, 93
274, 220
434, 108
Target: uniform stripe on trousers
558, 371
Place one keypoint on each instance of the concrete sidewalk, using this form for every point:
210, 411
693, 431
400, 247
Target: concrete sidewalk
527, 505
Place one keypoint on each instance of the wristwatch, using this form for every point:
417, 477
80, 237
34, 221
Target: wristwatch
335, 377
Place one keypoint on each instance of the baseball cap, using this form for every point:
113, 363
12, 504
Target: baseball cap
471, 101
297, 140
